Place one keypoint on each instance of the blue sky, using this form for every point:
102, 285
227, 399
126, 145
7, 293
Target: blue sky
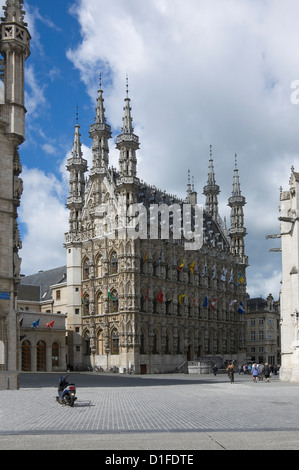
200, 73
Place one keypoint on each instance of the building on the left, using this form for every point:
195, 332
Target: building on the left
14, 50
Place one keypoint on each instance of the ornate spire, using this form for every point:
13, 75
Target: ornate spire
77, 166
127, 119
13, 12
211, 190
100, 110
127, 142
191, 193
100, 132
236, 182
77, 151
237, 231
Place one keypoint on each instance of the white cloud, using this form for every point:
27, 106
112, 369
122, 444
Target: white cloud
200, 73
203, 73
35, 97
48, 148
45, 217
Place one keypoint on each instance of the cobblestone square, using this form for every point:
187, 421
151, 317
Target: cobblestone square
111, 408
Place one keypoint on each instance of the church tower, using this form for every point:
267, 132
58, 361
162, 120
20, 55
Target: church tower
14, 50
237, 230
211, 190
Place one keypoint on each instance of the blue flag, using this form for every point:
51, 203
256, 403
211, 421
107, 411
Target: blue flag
241, 308
205, 302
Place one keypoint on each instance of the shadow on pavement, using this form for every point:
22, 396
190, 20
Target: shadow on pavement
99, 379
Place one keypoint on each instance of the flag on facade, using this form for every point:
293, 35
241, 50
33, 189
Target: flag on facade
193, 303
21, 321
181, 265
146, 294
82, 300
223, 274
204, 271
231, 304
181, 298
230, 277
110, 295
240, 279
213, 303
50, 324
35, 324
160, 296
213, 272
145, 256
205, 302
191, 267
241, 308
168, 301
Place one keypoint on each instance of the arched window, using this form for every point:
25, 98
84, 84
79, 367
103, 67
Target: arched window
100, 304
114, 342
26, 356
86, 344
85, 274
113, 263
168, 304
113, 301
100, 343
55, 354
41, 356
99, 266
85, 304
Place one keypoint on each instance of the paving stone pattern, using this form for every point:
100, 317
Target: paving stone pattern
152, 404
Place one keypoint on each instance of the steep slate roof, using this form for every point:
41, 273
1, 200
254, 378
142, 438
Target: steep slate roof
43, 280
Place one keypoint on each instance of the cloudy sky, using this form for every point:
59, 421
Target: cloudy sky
200, 72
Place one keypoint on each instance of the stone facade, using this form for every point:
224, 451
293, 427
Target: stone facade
289, 231
41, 322
263, 330
14, 50
148, 302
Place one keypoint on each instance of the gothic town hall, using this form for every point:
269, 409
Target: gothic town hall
147, 302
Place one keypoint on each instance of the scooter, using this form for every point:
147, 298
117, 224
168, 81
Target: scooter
66, 392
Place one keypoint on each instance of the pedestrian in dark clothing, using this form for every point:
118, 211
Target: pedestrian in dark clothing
267, 372
215, 369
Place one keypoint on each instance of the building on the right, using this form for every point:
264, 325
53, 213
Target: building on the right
263, 330
289, 298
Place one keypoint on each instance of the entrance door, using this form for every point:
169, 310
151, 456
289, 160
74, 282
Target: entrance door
142, 368
41, 357
26, 356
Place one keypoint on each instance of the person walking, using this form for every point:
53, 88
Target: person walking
267, 372
231, 372
255, 372
215, 369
